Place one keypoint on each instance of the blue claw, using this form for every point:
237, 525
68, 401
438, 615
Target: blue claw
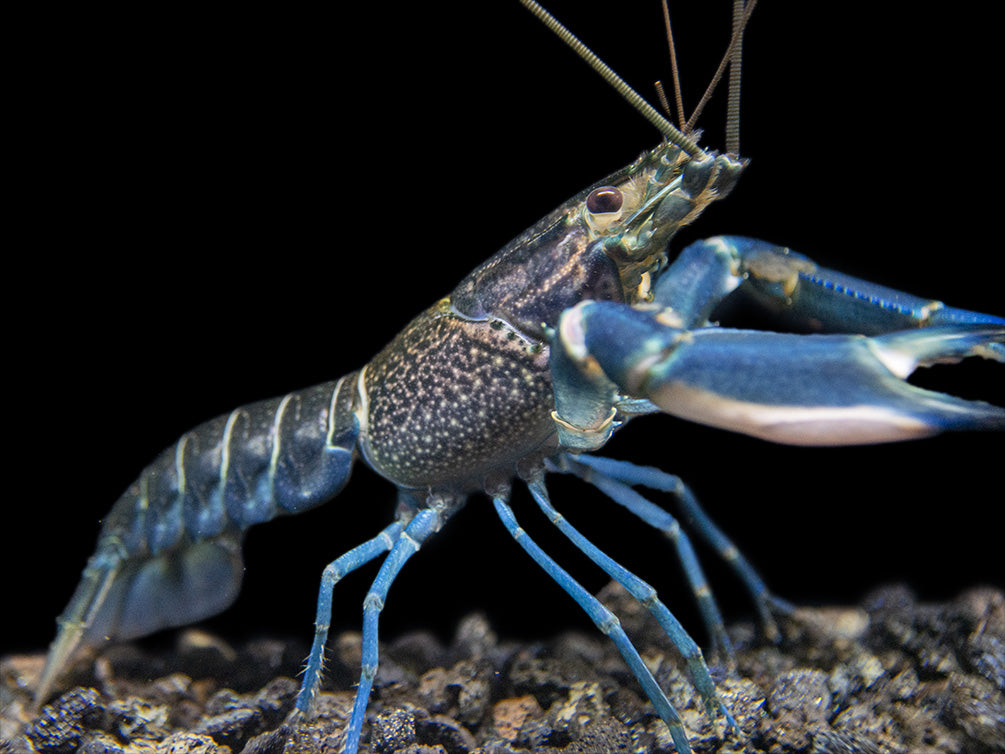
798, 290
798, 389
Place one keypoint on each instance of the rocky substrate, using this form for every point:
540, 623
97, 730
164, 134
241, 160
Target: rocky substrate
891, 675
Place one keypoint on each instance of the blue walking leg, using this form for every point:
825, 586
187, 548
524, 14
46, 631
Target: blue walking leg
659, 519
657, 479
425, 522
332, 574
604, 619
647, 596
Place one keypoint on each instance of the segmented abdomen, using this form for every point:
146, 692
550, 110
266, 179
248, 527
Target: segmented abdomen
262, 460
170, 549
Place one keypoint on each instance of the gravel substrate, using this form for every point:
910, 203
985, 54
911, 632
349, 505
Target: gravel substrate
891, 675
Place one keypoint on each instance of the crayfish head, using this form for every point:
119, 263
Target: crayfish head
636, 211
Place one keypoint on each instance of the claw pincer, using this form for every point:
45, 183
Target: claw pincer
798, 389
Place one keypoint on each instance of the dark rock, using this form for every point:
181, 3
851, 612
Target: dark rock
233, 727
978, 710
392, 730
800, 703
835, 742
443, 731
61, 726
100, 743
270, 742
894, 676
133, 718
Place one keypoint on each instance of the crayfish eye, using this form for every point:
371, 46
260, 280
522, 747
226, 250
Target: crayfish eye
604, 200
603, 209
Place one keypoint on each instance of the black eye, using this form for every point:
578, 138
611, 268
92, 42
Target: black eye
604, 199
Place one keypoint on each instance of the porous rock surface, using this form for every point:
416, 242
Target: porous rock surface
889, 676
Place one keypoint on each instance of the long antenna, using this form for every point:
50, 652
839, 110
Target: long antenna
670, 133
733, 103
734, 43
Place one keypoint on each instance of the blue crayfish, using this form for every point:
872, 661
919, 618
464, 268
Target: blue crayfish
531, 363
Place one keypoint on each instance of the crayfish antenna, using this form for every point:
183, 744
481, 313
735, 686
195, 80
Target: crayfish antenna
681, 137
732, 58
735, 63
650, 113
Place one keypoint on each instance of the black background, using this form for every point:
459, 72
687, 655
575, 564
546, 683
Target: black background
221, 208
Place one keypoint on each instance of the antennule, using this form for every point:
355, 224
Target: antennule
650, 113
735, 43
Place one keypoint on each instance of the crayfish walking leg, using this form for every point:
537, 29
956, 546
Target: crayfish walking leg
646, 596
333, 573
426, 522
616, 479
603, 618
